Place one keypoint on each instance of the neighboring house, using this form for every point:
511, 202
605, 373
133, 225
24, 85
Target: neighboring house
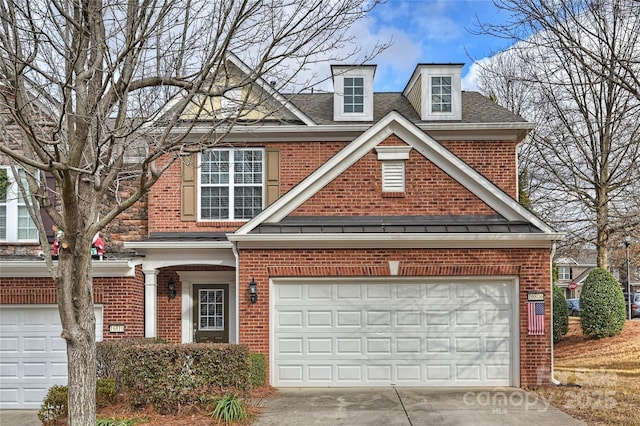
355, 238
572, 271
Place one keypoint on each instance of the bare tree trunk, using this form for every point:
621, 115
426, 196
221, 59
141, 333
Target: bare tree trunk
75, 299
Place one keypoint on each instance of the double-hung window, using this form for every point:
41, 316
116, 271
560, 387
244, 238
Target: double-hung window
231, 183
440, 94
353, 95
564, 273
15, 222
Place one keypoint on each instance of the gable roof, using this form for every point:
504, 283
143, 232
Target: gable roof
273, 97
396, 123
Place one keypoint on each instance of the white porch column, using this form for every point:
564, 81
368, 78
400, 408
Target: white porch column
150, 302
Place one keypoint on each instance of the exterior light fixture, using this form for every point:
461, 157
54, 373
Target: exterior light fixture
253, 290
171, 286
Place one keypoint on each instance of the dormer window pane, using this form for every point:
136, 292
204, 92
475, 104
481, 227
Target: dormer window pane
440, 94
354, 95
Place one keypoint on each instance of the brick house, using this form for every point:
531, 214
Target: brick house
355, 238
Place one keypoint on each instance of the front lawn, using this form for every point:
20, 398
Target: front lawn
600, 379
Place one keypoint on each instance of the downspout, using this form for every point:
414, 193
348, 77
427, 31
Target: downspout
234, 248
553, 379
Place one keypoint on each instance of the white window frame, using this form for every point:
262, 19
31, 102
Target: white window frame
564, 273
440, 86
230, 185
12, 203
217, 315
353, 95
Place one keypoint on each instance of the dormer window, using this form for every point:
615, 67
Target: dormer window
353, 92
440, 94
353, 95
435, 92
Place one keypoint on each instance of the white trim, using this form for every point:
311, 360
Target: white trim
100, 268
191, 278
396, 240
395, 123
393, 152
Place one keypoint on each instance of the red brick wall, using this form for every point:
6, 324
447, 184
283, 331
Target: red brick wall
429, 190
122, 299
532, 266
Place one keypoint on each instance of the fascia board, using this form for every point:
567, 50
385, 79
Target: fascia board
408, 240
100, 268
449, 131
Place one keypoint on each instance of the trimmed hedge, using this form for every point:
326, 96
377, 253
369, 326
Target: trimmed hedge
602, 305
258, 370
172, 376
109, 355
560, 314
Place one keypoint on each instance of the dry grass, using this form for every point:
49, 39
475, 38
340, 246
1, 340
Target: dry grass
600, 379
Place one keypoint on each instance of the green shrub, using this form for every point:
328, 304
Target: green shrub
54, 407
602, 306
230, 408
106, 393
258, 370
560, 314
172, 376
109, 355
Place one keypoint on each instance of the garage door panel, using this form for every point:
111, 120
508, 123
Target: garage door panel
418, 334
33, 354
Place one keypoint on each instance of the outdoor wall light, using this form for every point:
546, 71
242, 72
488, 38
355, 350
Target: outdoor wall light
171, 286
253, 290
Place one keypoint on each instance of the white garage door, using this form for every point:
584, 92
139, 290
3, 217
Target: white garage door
33, 356
403, 333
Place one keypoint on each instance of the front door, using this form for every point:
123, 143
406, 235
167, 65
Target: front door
210, 313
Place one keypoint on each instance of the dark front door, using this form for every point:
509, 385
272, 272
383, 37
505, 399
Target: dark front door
210, 313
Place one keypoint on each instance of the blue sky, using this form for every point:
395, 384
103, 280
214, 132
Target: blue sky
428, 31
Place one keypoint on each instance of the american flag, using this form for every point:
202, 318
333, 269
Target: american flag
535, 311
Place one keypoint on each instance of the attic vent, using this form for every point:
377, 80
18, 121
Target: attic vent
393, 176
393, 158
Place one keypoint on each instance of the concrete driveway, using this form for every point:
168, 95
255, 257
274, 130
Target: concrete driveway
409, 406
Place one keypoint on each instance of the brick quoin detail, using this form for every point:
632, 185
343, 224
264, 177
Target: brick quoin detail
531, 266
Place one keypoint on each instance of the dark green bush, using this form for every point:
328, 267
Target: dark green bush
602, 306
258, 370
560, 314
172, 376
109, 355
54, 407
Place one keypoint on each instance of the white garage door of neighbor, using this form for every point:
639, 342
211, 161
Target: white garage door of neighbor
401, 333
33, 356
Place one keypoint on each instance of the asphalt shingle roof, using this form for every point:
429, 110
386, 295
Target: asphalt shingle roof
475, 108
